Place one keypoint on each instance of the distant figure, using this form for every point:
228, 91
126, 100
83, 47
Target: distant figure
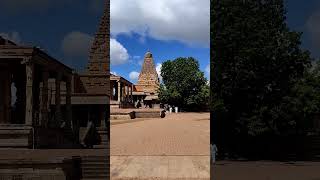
91, 137
214, 152
138, 104
163, 113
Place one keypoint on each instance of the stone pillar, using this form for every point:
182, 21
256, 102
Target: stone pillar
111, 90
103, 117
5, 100
44, 104
119, 91
127, 93
29, 90
58, 118
123, 91
68, 103
131, 92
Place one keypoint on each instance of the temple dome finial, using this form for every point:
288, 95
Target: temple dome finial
148, 54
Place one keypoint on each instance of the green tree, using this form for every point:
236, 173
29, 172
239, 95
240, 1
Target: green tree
184, 85
256, 62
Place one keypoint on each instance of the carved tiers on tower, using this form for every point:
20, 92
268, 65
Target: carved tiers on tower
99, 53
148, 80
96, 80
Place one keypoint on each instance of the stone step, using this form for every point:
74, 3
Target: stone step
95, 167
93, 173
96, 177
157, 178
98, 168
98, 163
94, 159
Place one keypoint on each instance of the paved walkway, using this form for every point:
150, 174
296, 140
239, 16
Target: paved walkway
160, 167
176, 147
176, 134
263, 170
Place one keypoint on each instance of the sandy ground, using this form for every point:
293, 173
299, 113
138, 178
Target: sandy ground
175, 147
160, 167
262, 170
176, 134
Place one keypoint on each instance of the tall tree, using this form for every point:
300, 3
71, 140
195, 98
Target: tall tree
184, 85
256, 61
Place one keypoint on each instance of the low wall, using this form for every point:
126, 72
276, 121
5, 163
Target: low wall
26, 169
149, 114
15, 136
137, 114
54, 138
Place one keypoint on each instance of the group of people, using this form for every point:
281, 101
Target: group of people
146, 104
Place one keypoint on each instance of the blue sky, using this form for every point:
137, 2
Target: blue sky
169, 28
63, 28
304, 16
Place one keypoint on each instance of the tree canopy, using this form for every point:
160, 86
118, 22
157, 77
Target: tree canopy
184, 85
259, 72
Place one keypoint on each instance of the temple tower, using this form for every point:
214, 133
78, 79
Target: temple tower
99, 54
148, 80
97, 78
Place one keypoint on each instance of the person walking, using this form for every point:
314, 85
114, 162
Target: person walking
214, 152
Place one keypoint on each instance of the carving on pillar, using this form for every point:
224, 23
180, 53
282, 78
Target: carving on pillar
119, 91
44, 99
68, 103
103, 117
29, 89
58, 116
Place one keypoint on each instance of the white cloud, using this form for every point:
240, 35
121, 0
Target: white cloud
134, 75
187, 21
13, 36
77, 44
140, 62
207, 69
118, 53
158, 69
114, 73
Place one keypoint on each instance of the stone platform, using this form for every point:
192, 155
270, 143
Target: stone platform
125, 114
57, 164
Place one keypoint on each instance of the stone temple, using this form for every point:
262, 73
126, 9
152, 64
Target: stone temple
45, 104
125, 94
148, 81
54, 122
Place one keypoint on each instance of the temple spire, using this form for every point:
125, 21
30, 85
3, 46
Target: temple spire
148, 80
99, 53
